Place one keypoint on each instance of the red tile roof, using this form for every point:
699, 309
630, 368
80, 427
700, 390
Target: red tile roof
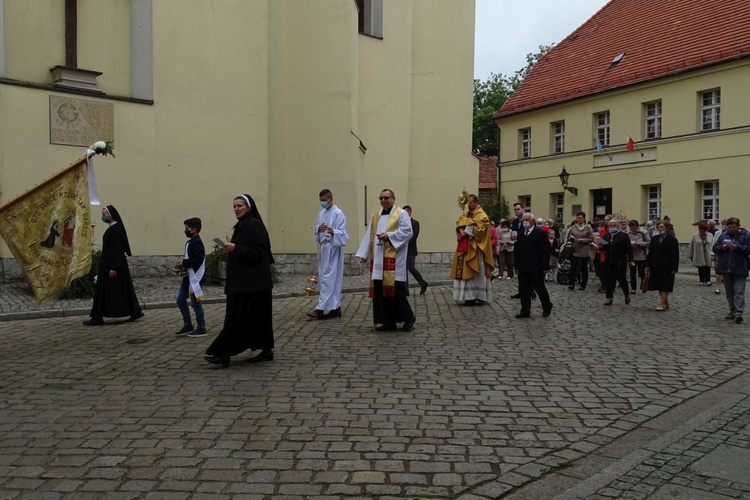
487, 172
658, 37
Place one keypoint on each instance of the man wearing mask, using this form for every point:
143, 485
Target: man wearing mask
331, 236
732, 248
532, 261
517, 227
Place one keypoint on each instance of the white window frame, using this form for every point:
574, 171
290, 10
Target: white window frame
710, 200
710, 104
525, 200
653, 120
524, 136
653, 202
558, 137
601, 125
371, 12
559, 201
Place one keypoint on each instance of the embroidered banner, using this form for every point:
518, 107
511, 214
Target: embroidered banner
48, 231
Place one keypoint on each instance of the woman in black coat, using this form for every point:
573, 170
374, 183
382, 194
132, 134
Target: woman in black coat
115, 294
618, 255
662, 263
248, 322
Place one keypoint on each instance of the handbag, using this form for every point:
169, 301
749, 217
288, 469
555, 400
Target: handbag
644, 284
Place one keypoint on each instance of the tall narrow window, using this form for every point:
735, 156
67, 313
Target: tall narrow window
653, 202
559, 205
525, 137
601, 125
370, 17
558, 137
711, 110
710, 200
653, 120
526, 202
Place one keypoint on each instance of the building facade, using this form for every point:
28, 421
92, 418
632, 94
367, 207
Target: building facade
209, 99
647, 122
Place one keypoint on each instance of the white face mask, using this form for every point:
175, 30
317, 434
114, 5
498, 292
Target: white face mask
526, 224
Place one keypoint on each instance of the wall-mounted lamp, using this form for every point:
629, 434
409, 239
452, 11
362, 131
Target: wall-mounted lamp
564, 176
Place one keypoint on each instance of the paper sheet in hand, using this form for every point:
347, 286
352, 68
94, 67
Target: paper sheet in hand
219, 242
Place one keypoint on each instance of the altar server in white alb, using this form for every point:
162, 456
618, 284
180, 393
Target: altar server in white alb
331, 235
386, 244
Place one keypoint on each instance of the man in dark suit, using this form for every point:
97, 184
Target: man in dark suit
517, 226
411, 256
532, 261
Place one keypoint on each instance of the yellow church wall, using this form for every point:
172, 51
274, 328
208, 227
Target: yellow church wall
33, 31
679, 161
257, 97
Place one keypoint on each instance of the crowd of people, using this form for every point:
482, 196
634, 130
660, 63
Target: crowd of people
622, 253
618, 251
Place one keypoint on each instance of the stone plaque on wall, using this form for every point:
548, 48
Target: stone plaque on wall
79, 122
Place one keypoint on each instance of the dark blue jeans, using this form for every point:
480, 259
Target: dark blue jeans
182, 297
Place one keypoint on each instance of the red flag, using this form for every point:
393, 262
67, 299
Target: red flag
630, 146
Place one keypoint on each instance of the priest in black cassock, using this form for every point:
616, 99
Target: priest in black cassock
115, 295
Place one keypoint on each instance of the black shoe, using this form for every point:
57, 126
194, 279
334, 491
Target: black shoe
571, 287
217, 360
198, 332
547, 312
387, 327
94, 322
316, 314
516, 296
470, 303
184, 330
136, 316
423, 289
581, 288
481, 302
738, 319
522, 315
265, 355
333, 313
533, 296
409, 325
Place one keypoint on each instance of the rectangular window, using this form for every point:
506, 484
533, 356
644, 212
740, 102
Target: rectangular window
526, 202
710, 200
601, 125
653, 202
559, 206
525, 137
370, 17
711, 110
653, 120
558, 137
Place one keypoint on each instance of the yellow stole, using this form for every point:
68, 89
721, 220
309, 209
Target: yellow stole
389, 253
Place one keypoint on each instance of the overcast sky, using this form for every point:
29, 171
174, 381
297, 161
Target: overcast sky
506, 31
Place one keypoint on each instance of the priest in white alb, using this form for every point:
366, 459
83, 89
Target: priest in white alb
386, 244
331, 236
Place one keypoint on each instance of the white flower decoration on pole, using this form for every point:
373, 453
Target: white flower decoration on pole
101, 148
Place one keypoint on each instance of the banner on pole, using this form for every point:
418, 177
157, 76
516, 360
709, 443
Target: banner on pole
48, 231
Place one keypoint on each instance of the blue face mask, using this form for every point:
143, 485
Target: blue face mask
613, 230
105, 218
324, 204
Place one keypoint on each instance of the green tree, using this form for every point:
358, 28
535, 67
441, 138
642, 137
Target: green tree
489, 96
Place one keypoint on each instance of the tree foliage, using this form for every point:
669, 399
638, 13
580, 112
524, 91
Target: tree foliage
489, 96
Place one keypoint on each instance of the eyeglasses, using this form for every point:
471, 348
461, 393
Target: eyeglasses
384, 198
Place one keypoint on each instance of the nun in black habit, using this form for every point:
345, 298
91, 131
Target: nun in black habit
115, 295
248, 322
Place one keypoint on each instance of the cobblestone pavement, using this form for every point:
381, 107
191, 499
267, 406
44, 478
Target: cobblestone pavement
593, 401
